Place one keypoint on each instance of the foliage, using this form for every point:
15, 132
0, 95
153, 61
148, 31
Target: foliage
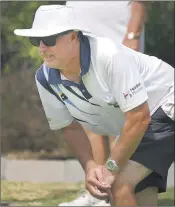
159, 30
14, 15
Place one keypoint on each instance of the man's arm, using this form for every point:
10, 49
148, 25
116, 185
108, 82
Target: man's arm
135, 24
137, 18
137, 121
128, 87
78, 141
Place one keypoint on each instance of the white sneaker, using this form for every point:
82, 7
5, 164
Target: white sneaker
102, 203
84, 199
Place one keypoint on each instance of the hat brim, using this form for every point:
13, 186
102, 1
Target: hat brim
41, 33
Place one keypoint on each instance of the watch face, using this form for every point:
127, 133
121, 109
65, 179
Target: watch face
111, 165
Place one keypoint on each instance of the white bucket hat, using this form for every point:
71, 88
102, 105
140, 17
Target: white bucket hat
53, 19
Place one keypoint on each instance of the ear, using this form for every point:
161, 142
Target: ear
74, 36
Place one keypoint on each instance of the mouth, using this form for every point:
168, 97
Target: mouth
48, 57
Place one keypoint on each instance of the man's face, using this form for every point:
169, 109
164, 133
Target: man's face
60, 55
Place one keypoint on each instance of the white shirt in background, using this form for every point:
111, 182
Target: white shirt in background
104, 18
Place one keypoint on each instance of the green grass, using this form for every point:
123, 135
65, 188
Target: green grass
167, 199
36, 194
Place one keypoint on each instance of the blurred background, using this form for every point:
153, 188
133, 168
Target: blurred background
25, 132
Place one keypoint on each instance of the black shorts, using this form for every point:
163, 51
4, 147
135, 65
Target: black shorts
156, 151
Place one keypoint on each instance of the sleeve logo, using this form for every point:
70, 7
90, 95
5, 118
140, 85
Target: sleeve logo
133, 91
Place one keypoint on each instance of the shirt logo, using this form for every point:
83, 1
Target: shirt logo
136, 88
133, 91
125, 95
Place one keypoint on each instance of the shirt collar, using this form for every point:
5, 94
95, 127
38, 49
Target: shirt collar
85, 56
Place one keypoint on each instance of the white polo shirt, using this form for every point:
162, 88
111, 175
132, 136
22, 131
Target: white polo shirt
115, 79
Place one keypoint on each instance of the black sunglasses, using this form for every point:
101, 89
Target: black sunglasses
48, 41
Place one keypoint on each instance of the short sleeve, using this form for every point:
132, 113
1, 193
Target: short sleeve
56, 112
125, 81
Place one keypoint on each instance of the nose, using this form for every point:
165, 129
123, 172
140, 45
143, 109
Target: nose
42, 46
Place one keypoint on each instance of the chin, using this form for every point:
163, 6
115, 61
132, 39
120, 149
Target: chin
50, 65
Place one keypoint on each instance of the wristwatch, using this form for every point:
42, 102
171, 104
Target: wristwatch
132, 35
111, 165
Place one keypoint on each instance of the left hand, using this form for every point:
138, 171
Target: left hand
109, 178
98, 182
133, 44
95, 183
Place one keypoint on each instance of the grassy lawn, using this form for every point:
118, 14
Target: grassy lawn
36, 194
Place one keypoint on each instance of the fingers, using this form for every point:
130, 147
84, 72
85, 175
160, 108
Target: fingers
97, 189
94, 191
94, 182
97, 185
110, 196
102, 195
100, 174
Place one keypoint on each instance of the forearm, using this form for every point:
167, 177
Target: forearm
131, 136
137, 18
99, 148
78, 141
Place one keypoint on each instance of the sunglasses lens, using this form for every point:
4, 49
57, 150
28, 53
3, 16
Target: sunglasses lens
35, 41
49, 41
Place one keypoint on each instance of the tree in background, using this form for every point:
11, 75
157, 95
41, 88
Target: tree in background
16, 51
159, 31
